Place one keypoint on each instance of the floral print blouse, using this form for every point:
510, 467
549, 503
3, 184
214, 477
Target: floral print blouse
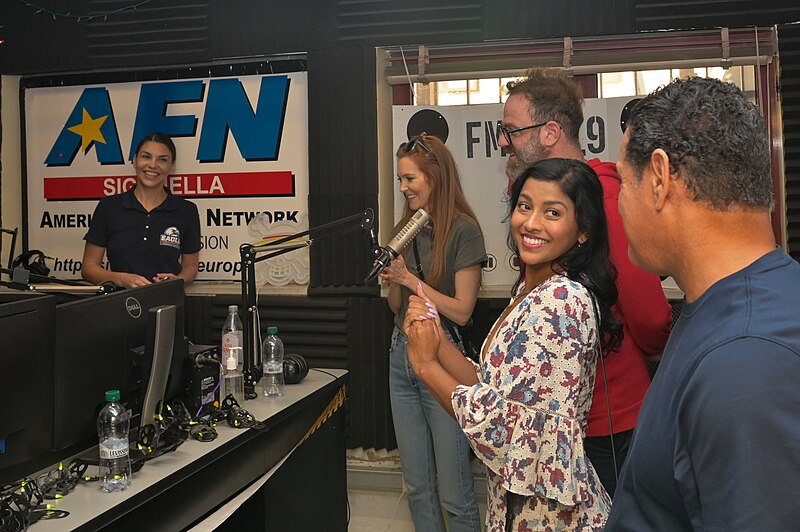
526, 418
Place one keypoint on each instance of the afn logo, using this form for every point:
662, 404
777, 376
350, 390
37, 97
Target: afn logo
257, 132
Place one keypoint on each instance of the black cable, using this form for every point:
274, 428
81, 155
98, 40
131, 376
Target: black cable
203, 428
22, 503
325, 372
57, 483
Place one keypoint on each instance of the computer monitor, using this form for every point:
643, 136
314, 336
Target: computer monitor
26, 382
99, 348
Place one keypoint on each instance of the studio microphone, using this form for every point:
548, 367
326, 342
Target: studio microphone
399, 242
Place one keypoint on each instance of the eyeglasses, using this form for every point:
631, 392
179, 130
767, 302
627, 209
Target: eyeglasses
508, 132
408, 147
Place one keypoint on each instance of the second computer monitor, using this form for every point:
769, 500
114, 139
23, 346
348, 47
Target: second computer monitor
97, 342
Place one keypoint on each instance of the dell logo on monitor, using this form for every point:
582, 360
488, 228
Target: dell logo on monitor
134, 307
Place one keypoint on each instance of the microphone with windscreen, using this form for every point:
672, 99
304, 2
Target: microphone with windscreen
399, 242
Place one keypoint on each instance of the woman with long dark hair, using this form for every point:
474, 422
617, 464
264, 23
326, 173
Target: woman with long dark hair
525, 407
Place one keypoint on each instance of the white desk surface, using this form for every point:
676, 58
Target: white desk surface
87, 501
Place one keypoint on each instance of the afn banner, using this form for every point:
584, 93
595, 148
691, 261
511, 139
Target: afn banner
471, 134
242, 159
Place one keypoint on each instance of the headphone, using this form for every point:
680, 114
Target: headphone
37, 266
295, 368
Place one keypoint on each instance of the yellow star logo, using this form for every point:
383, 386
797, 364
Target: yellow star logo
89, 130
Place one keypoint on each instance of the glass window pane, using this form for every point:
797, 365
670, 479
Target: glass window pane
484, 91
716, 72
613, 84
733, 75
504, 89
649, 80
750, 82
610, 85
452, 92
749, 78
683, 73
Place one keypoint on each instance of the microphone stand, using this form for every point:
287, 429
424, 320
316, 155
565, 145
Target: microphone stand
250, 255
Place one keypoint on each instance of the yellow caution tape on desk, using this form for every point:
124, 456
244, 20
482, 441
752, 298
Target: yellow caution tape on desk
336, 403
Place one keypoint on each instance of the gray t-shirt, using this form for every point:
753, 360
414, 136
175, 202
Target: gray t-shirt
466, 248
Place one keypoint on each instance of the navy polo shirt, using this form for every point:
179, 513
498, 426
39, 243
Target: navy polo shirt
141, 242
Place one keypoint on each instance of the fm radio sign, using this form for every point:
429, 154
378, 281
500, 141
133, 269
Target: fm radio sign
242, 152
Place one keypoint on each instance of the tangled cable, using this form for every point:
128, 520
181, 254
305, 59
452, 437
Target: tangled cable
203, 428
23, 503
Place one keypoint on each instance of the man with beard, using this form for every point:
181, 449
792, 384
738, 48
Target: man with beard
542, 118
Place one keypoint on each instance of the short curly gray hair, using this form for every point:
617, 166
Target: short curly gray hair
715, 139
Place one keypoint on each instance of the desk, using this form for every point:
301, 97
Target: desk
176, 490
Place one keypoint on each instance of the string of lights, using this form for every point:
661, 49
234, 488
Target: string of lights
82, 17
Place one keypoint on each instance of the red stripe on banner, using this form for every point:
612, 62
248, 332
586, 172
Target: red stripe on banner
194, 185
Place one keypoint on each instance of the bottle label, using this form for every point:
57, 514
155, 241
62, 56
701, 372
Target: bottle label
113, 448
231, 341
273, 367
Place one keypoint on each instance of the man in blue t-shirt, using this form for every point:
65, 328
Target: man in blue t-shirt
717, 446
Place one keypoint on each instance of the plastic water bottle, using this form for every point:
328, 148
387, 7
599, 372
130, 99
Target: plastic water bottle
233, 380
233, 337
113, 423
272, 354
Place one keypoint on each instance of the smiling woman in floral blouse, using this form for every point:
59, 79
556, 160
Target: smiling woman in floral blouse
524, 409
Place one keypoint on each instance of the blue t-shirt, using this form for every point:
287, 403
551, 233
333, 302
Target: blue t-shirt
141, 242
717, 445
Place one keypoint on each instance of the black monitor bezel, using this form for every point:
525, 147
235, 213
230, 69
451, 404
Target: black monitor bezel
83, 374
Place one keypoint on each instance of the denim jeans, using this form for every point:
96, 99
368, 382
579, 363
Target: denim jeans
431, 446
598, 449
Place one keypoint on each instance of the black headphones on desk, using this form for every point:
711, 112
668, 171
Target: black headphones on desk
33, 261
295, 368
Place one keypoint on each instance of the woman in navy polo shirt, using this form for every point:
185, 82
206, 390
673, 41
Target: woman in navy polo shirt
149, 234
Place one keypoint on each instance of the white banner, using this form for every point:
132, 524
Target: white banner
471, 135
242, 146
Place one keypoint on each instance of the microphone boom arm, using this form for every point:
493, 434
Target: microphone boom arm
251, 255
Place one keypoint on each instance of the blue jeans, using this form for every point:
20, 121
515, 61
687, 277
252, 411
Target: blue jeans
431, 445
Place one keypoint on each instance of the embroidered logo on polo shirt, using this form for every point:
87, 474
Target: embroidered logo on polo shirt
171, 237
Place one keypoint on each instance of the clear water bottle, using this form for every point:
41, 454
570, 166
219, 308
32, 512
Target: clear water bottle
113, 423
233, 380
272, 354
233, 337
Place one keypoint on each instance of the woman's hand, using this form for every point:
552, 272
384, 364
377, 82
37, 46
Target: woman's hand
422, 326
420, 308
130, 280
397, 273
423, 344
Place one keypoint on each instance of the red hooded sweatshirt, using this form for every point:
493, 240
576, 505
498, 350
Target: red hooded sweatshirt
646, 316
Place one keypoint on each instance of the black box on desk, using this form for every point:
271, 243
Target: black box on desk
203, 390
